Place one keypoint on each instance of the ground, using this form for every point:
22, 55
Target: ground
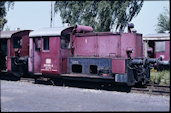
23, 96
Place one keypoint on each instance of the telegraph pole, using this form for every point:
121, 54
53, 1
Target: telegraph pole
51, 16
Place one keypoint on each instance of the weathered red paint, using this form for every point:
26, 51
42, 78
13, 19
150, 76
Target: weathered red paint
52, 55
114, 45
118, 66
94, 45
110, 45
134, 41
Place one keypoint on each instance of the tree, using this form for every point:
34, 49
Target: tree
3, 12
101, 15
163, 21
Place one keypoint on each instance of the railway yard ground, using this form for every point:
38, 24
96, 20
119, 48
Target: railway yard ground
24, 95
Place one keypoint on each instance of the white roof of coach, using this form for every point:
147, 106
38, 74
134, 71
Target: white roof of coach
157, 36
47, 32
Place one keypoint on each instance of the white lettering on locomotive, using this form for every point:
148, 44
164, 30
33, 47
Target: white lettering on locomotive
47, 66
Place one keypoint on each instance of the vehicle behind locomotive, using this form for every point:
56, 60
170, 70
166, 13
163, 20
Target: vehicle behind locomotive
14, 47
78, 52
158, 45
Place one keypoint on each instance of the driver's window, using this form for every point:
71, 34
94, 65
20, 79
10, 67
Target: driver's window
65, 41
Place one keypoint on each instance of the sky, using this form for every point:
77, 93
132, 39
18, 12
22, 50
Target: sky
35, 15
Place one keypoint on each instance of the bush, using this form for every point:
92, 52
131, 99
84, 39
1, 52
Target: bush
160, 77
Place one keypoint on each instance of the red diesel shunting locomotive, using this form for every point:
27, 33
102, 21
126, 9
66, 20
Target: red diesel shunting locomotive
77, 52
80, 51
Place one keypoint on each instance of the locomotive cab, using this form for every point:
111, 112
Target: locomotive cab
49, 51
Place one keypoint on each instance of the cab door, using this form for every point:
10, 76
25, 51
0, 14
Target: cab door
50, 55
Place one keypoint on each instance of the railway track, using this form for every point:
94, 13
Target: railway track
152, 89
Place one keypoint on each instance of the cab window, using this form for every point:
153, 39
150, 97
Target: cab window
65, 41
17, 42
46, 43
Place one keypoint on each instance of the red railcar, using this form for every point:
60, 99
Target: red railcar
158, 45
14, 50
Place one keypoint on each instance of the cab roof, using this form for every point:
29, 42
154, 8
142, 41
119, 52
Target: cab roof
8, 34
47, 32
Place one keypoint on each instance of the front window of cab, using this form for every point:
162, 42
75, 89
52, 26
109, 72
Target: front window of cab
65, 41
37, 44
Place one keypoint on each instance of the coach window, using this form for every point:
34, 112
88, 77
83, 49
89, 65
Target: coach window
160, 46
46, 43
17, 42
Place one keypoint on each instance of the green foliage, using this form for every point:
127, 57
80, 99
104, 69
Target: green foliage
4, 5
101, 15
160, 77
2, 23
163, 22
